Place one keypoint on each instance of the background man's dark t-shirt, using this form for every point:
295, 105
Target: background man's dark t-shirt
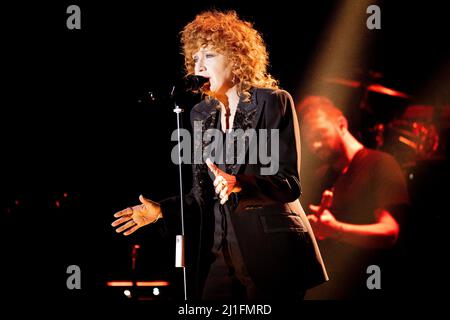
373, 181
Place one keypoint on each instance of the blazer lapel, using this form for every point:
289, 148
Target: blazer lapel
246, 117
207, 115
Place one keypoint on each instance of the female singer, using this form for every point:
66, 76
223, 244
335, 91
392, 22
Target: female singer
247, 235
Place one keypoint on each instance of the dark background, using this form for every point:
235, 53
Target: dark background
71, 124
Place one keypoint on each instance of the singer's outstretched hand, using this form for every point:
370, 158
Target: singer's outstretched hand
224, 183
133, 218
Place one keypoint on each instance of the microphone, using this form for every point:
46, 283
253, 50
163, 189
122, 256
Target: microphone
191, 83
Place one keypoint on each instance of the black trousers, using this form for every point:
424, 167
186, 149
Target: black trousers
228, 279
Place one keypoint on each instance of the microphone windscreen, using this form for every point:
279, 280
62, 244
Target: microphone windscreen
194, 83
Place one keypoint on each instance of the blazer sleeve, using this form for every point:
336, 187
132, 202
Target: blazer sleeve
171, 210
283, 186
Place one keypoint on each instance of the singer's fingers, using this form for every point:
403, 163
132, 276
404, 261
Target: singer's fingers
222, 184
219, 188
127, 225
121, 220
223, 193
212, 167
144, 201
224, 200
312, 218
147, 202
130, 231
124, 212
218, 180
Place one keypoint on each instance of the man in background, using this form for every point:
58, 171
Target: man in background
357, 209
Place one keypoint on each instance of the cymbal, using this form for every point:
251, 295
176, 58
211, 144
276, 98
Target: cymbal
372, 87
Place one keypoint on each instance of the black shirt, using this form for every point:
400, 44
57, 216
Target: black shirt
373, 181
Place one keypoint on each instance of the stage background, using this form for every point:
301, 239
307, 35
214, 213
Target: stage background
77, 145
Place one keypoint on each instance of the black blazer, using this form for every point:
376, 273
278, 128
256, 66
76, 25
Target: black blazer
274, 235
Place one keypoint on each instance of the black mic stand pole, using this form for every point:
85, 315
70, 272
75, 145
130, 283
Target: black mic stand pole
179, 241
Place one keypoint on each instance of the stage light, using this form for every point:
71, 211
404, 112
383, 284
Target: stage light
156, 291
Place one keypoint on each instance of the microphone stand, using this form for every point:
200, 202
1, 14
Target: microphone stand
179, 240
134, 254
193, 84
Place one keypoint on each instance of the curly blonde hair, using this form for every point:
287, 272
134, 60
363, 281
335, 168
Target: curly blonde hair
234, 38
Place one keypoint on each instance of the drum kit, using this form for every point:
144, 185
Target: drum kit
410, 133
